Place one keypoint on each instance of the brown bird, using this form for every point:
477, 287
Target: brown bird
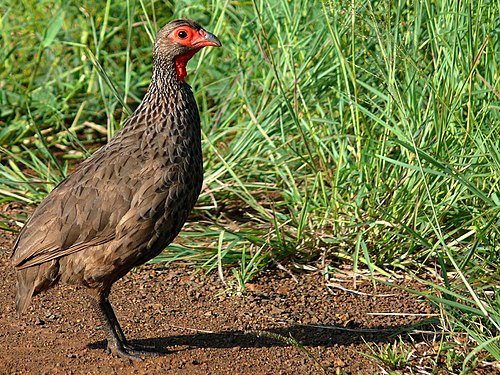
123, 205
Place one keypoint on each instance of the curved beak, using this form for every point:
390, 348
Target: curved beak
207, 39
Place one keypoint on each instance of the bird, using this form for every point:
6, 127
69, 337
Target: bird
124, 204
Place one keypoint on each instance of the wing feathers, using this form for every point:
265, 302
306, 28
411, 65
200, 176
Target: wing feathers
104, 199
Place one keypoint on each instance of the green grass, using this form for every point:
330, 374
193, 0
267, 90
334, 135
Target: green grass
361, 132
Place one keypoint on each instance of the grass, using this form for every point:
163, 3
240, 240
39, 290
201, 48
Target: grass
345, 131
395, 356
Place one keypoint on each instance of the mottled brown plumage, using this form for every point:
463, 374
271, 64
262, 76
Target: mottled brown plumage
129, 200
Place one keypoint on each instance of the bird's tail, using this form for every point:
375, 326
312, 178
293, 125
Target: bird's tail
33, 280
25, 287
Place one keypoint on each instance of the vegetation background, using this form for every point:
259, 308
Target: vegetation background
334, 132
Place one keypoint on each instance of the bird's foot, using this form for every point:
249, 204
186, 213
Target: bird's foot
122, 352
144, 350
133, 352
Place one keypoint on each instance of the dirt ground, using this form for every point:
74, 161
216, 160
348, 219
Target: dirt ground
283, 324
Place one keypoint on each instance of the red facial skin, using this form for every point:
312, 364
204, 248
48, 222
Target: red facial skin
189, 37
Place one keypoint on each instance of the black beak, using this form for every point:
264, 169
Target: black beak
209, 40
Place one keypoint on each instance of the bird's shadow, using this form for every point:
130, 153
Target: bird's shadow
296, 335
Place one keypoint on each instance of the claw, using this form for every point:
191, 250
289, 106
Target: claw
133, 352
122, 352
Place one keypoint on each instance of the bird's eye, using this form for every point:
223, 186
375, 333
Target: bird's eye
182, 34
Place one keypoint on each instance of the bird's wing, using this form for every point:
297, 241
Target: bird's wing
47, 254
81, 212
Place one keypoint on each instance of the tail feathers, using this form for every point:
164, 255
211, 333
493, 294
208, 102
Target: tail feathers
25, 288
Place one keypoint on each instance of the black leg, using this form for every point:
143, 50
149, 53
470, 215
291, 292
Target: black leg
117, 342
110, 314
114, 336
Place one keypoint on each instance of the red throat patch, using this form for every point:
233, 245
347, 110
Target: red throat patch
181, 62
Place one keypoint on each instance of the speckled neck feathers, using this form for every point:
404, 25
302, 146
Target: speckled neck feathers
168, 116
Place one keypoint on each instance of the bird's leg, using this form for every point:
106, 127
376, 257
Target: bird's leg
114, 335
117, 342
136, 349
110, 314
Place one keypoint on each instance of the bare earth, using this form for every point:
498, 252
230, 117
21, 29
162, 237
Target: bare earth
205, 330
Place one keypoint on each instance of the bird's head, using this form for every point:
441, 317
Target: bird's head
179, 40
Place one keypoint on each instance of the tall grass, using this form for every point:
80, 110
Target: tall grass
356, 131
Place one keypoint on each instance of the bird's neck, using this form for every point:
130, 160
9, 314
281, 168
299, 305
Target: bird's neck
165, 77
168, 113
165, 92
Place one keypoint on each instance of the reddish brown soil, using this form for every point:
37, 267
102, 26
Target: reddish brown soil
206, 330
